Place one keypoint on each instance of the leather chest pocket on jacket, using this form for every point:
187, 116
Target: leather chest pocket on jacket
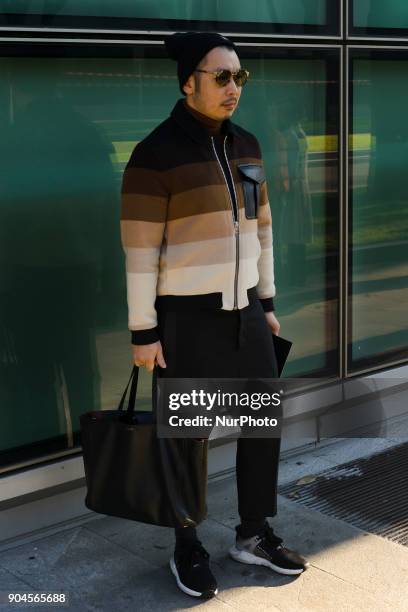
252, 175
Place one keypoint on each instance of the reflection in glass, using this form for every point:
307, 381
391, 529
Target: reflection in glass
295, 231
286, 105
378, 209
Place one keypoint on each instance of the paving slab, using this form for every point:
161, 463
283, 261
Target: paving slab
109, 563
78, 562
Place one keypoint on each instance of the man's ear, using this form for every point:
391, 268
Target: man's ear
188, 86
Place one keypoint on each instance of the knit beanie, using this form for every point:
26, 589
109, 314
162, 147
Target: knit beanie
188, 49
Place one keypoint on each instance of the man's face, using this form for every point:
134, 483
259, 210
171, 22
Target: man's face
203, 92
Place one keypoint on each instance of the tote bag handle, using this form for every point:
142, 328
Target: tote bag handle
134, 377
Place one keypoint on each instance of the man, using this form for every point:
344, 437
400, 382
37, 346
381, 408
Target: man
196, 229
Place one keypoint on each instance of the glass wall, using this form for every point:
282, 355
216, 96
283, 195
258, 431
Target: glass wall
378, 207
378, 18
69, 126
308, 17
70, 115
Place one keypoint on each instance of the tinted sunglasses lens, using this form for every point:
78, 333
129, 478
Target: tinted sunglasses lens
223, 77
241, 78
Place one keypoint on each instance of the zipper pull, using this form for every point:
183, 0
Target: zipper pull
236, 225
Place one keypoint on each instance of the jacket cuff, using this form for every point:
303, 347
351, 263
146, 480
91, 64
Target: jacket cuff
144, 336
267, 304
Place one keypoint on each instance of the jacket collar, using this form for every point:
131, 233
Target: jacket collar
194, 128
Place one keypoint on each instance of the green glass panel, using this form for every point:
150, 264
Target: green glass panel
286, 106
379, 207
380, 14
311, 12
68, 127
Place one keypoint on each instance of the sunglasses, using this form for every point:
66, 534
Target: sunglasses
222, 77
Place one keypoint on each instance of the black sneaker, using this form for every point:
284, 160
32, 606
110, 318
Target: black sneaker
190, 566
266, 548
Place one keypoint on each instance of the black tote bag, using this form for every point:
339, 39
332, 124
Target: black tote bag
133, 474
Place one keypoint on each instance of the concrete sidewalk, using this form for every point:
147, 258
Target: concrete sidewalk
108, 564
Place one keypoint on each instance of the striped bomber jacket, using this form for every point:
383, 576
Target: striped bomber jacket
183, 242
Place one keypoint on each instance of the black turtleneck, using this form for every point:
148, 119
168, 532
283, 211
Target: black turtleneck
214, 129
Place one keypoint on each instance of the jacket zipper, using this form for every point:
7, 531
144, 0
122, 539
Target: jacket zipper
234, 220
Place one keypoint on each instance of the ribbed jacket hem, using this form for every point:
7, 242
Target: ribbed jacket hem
188, 303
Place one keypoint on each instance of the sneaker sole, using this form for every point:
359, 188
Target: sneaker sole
185, 589
243, 556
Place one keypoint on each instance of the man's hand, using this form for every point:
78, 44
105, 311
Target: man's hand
273, 322
147, 355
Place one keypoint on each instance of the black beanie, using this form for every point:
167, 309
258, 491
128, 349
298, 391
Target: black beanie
188, 49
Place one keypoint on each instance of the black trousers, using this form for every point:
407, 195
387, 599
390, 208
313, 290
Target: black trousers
208, 343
